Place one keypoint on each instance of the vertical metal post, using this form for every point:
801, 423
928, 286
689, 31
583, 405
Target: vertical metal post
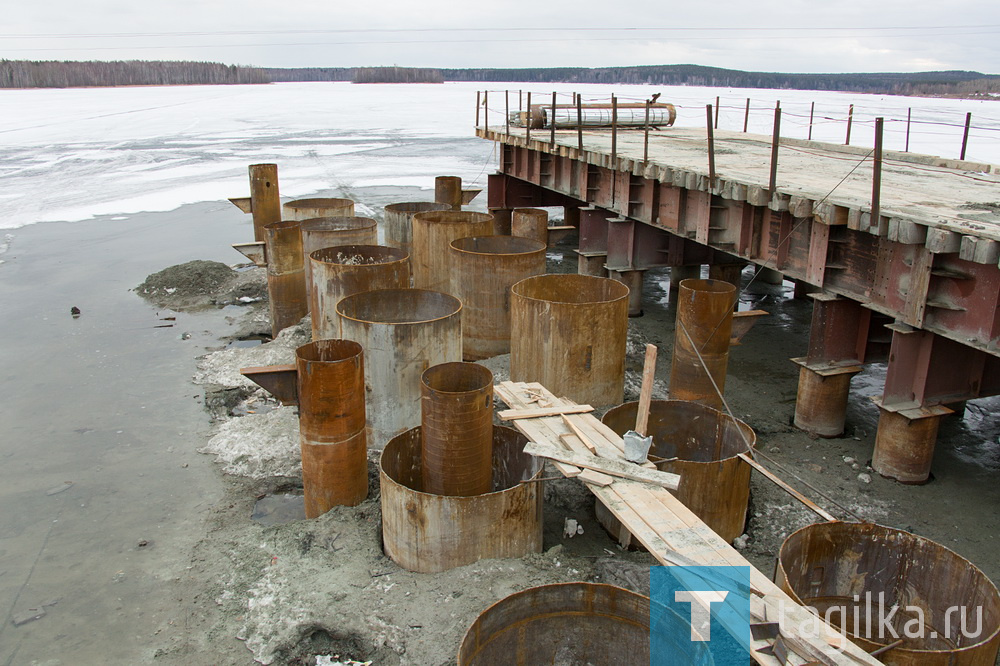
265, 203
645, 138
527, 123
579, 121
812, 110
746, 116
479, 100
552, 122
716, 112
711, 146
850, 121
520, 107
965, 137
877, 173
774, 150
909, 111
506, 111
486, 109
614, 148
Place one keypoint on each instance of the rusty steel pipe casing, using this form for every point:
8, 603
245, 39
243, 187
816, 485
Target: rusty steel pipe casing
331, 381
428, 533
403, 332
705, 312
433, 232
322, 232
530, 223
568, 332
483, 269
715, 482
399, 221
578, 623
344, 270
307, 209
448, 190
265, 201
456, 407
286, 287
821, 402
904, 447
829, 565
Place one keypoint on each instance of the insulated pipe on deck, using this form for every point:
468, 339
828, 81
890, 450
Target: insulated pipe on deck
286, 287
483, 269
399, 221
433, 233
456, 405
340, 271
704, 326
331, 385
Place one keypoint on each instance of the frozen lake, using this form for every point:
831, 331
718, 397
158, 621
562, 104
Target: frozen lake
74, 154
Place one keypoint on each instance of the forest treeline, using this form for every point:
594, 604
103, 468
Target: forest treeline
54, 74
72, 74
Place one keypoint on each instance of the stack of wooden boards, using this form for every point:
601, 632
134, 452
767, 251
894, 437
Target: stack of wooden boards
581, 446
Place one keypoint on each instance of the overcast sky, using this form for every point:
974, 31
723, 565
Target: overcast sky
763, 35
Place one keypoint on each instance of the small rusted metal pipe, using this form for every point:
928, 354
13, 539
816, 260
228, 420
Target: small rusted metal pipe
530, 223
456, 407
448, 190
483, 269
704, 326
265, 202
429, 533
340, 271
904, 446
322, 232
821, 401
286, 287
703, 446
433, 233
403, 332
858, 574
576, 623
399, 221
568, 332
331, 385
307, 209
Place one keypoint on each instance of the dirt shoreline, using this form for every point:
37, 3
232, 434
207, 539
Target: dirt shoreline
284, 593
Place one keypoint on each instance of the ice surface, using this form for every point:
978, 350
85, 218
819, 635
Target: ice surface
77, 153
259, 446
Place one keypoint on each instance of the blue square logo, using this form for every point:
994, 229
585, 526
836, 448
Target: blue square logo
700, 616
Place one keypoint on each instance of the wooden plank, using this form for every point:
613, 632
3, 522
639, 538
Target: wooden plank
979, 250
595, 478
613, 467
646, 394
515, 414
942, 241
822, 513
508, 392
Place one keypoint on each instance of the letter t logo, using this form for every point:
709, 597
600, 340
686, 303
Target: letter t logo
701, 602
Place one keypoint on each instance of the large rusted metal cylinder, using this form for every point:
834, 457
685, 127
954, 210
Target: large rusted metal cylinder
704, 326
331, 385
448, 190
322, 232
530, 223
456, 407
702, 445
307, 209
821, 401
433, 232
286, 287
857, 575
568, 332
483, 269
403, 332
428, 533
399, 221
564, 623
343, 270
904, 447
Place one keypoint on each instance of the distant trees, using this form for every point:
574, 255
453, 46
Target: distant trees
397, 75
67, 74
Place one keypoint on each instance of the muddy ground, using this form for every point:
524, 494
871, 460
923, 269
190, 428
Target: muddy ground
284, 592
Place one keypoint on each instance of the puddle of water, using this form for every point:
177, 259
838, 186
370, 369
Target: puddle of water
279, 509
245, 343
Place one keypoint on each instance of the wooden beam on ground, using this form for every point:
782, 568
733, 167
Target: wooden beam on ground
624, 470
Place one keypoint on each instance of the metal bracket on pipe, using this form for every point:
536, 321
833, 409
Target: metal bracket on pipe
243, 203
255, 252
281, 381
742, 323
